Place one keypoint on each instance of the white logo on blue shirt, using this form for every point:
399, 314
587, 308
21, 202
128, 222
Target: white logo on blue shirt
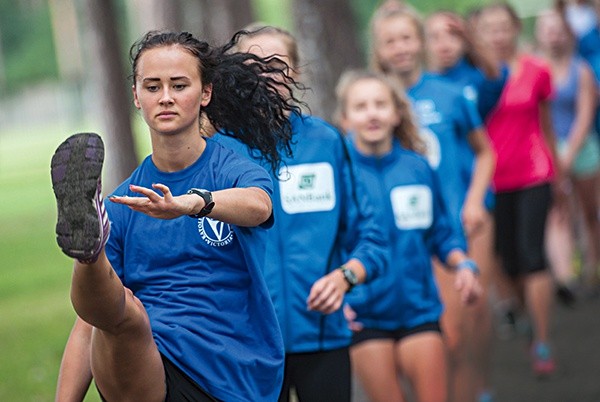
412, 206
426, 112
215, 233
309, 187
433, 149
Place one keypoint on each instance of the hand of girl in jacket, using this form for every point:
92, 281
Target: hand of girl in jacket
327, 293
467, 281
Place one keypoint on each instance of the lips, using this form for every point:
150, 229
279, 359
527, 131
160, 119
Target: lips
166, 114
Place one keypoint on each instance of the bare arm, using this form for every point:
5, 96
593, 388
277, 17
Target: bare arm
75, 373
238, 206
548, 131
485, 162
585, 112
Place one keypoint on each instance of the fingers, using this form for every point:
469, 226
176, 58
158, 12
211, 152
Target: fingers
468, 285
325, 296
350, 316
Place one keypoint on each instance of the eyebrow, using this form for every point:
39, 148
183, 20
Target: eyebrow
153, 79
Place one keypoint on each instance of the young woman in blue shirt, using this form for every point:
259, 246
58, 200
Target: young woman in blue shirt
173, 306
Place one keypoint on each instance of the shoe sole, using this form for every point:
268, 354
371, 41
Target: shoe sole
75, 168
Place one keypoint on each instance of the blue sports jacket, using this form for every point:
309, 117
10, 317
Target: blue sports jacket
417, 225
322, 218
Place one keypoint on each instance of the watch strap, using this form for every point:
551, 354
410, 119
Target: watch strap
208, 202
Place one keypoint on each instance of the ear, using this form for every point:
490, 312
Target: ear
206, 94
136, 102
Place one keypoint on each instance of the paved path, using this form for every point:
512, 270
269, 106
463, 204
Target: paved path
576, 337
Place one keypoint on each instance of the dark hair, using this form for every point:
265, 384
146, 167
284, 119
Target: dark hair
258, 28
245, 101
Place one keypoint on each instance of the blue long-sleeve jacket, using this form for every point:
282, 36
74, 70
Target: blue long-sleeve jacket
322, 218
413, 214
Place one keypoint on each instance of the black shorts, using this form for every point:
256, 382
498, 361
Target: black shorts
180, 387
318, 376
367, 334
520, 229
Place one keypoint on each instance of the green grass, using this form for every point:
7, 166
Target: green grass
35, 311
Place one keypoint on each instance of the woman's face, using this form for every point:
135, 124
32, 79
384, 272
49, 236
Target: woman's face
370, 112
398, 46
444, 45
498, 31
169, 91
551, 33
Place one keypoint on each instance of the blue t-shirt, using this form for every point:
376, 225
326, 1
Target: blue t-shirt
413, 214
446, 118
200, 280
322, 218
564, 102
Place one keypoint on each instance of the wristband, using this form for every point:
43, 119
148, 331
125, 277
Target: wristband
468, 264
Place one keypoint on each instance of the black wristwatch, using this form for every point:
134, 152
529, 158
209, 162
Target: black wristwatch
349, 276
209, 204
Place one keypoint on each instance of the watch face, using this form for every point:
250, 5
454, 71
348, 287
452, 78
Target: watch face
350, 276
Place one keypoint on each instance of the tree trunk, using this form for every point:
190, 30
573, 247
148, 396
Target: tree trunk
158, 15
328, 39
221, 19
110, 92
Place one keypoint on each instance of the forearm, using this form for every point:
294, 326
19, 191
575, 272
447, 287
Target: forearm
485, 162
240, 206
75, 373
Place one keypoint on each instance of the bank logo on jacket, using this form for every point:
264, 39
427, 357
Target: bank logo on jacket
215, 233
308, 187
413, 207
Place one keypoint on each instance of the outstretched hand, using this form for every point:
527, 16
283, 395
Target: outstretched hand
157, 202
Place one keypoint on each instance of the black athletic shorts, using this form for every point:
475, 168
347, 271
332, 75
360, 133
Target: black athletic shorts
367, 334
520, 229
180, 387
318, 376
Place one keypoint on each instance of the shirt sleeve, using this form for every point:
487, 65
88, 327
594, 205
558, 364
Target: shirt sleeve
489, 92
466, 116
363, 236
241, 172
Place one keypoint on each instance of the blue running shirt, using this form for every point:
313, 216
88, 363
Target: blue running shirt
200, 280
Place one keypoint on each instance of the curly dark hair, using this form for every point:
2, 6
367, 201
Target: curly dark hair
247, 97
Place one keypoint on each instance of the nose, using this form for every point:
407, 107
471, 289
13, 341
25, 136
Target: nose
166, 98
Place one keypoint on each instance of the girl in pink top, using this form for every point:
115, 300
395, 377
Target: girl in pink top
521, 133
